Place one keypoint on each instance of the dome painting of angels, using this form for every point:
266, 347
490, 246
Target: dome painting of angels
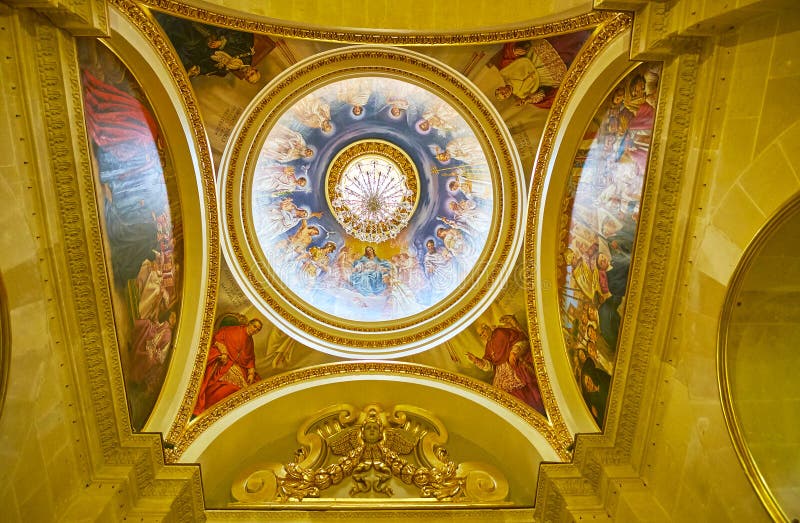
417, 265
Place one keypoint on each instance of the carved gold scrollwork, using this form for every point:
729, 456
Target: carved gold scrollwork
256, 484
372, 448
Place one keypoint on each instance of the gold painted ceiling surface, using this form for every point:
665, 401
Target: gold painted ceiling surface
405, 15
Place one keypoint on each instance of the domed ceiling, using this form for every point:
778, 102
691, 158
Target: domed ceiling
374, 202
356, 255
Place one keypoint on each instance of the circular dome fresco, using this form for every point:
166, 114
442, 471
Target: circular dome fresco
370, 202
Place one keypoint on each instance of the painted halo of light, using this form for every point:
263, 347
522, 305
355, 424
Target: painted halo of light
328, 332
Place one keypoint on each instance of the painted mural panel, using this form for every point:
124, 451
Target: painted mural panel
267, 350
495, 349
599, 224
140, 218
521, 78
227, 68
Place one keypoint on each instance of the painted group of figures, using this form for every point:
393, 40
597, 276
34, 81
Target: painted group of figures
597, 244
405, 280
305, 253
206, 50
507, 355
129, 161
423, 112
532, 70
231, 362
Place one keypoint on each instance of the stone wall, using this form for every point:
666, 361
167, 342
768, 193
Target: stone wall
40, 441
748, 166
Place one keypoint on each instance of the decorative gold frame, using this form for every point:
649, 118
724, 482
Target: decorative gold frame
218, 16
172, 364
608, 22
375, 339
775, 222
381, 148
557, 435
612, 25
403, 443
142, 22
597, 42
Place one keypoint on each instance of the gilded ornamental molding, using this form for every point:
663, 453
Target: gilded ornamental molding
86, 304
385, 454
144, 23
647, 299
493, 265
557, 436
218, 17
601, 38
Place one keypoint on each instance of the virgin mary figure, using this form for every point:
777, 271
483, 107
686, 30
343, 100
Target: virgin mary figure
370, 273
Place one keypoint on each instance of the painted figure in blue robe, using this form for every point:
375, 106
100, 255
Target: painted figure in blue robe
370, 273
126, 146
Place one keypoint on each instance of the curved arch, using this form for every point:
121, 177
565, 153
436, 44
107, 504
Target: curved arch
756, 344
271, 416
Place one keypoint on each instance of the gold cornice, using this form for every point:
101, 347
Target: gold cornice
765, 233
79, 17
57, 62
652, 250
226, 18
597, 42
558, 437
143, 22
478, 514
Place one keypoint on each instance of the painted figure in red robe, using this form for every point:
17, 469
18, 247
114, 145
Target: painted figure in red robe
508, 354
230, 366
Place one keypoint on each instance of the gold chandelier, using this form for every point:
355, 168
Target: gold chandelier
372, 190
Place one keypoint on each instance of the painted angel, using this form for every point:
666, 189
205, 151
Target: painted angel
285, 145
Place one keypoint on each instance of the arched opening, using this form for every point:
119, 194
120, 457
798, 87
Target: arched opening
758, 356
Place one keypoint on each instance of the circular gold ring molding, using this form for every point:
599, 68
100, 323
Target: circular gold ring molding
372, 188
376, 339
